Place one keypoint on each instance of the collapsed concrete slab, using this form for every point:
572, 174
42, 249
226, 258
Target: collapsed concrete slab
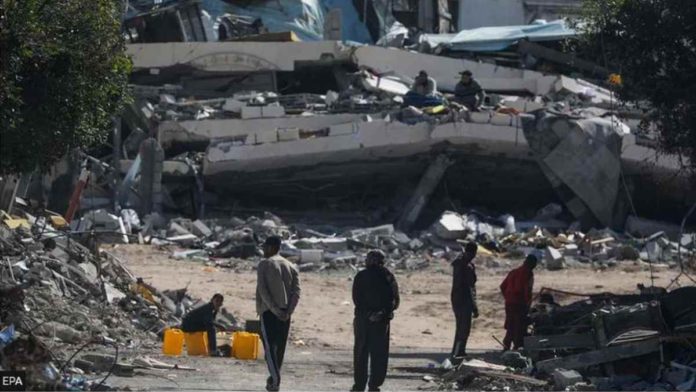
192, 133
233, 56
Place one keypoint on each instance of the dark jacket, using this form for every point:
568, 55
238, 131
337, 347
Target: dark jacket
201, 318
375, 290
463, 282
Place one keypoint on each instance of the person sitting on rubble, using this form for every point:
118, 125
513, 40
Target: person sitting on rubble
376, 297
202, 319
468, 92
517, 291
424, 84
423, 92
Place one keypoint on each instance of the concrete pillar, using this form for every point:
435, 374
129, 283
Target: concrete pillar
116, 162
8, 191
150, 184
428, 182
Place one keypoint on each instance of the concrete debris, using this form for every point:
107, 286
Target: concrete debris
56, 291
593, 337
565, 378
553, 259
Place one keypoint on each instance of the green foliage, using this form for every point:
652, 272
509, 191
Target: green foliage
652, 44
64, 75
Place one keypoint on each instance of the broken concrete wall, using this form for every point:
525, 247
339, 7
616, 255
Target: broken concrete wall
582, 155
232, 56
201, 132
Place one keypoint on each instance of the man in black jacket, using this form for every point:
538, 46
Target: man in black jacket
203, 319
376, 297
463, 297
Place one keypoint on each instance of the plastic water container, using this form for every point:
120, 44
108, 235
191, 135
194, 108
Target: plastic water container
173, 342
196, 343
245, 345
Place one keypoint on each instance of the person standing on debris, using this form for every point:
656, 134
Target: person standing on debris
517, 291
464, 297
277, 295
203, 319
468, 92
424, 84
376, 297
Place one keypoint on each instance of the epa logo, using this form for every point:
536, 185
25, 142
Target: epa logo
12, 381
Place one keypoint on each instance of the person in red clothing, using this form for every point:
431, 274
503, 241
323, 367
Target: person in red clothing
517, 291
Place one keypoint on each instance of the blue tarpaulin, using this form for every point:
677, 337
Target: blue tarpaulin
304, 17
491, 39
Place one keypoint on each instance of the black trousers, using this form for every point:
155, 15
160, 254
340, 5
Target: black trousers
274, 333
462, 317
212, 339
371, 342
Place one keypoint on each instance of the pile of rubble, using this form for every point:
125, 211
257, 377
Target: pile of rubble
235, 242
603, 342
559, 245
57, 295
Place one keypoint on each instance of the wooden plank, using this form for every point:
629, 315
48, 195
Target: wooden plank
597, 357
559, 342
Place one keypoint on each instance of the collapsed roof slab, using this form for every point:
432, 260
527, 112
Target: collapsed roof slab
202, 131
375, 140
444, 69
234, 56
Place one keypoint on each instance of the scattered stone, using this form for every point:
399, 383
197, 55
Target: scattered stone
515, 359
554, 259
563, 378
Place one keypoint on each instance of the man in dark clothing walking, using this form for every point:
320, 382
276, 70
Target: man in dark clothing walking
203, 319
517, 291
463, 297
277, 295
376, 297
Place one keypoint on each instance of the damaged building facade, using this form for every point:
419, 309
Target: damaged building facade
322, 125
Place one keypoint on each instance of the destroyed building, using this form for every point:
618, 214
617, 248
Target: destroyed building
322, 125
244, 107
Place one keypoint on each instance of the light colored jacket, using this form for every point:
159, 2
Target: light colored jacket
277, 286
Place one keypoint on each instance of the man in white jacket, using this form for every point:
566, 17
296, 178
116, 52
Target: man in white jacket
277, 295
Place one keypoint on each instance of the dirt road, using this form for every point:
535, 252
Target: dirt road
424, 320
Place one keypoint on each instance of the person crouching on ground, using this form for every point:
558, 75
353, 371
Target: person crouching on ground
202, 319
376, 297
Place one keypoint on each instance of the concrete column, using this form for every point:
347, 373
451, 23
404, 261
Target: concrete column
8, 191
428, 182
116, 162
150, 184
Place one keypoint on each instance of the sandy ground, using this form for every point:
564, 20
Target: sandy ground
424, 320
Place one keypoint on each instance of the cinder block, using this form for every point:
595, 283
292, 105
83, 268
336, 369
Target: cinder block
201, 229
311, 255
288, 134
480, 117
501, 119
251, 112
341, 129
266, 137
272, 111
554, 259
564, 378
